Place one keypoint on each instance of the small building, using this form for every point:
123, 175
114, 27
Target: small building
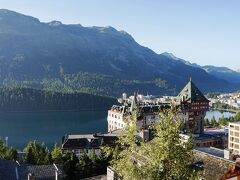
86, 142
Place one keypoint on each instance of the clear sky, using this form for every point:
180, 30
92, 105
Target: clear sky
205, 32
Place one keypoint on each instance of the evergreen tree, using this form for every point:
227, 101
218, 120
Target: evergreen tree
57, 155
29, 157
93, 159
102, 162
206, 122
69, 164
85, 165
12, 154
223, 121
36, 153
48, 158
237, 117
214, 122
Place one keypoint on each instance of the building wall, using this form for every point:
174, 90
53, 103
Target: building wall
234, 138
79, 152
115, 120
194, 121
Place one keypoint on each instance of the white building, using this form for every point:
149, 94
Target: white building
234, 137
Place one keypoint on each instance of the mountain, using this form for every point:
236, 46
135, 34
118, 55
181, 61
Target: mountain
219, 72
223, 73
98, 60
172, 56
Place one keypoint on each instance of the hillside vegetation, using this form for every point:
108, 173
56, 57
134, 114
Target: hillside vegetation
26, 99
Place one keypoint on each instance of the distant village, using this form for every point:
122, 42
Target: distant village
231, 99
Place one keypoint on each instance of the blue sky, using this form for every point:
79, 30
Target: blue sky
203, 32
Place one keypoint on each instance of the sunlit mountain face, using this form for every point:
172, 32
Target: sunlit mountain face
99, 60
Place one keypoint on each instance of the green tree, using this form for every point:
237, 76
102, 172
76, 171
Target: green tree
36, 153
223, 121
214, 122
57, 155
237, 117
93, 159
102, 161
85, 165
166, 157
48, 158
206, 122
7, 153
70, 162
12, 154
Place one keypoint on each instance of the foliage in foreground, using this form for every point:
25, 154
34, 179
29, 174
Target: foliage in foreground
7, 153
37, 153
165, 157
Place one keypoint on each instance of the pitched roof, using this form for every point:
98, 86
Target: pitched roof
11, 170
40, 172
7, 169
88, 141
191, 93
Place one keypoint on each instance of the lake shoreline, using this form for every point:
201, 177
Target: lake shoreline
225, 110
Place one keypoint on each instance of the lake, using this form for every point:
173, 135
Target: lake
49, 127
219, 114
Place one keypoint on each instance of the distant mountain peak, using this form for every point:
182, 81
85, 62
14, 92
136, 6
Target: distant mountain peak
55, 23
170, 55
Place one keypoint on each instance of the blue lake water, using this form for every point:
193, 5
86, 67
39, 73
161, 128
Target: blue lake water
218, 114
49, 127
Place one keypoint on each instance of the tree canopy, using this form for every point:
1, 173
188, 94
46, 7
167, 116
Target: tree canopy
167, 156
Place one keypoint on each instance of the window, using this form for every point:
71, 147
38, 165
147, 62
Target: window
237, 128
236, 134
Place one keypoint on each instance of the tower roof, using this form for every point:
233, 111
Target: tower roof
191, 93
